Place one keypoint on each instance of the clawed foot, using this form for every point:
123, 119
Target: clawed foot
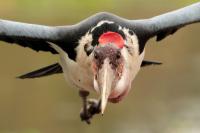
93, 107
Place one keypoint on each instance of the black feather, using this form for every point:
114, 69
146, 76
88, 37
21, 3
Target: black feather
45, 71
164, 34
147, 63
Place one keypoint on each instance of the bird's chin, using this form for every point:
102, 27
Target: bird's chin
122, 88
119, 92
119, 97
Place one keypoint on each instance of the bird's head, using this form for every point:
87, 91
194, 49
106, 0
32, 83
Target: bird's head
110, 68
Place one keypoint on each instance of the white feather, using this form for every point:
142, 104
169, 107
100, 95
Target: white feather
74, 73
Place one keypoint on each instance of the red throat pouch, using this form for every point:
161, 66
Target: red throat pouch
112, 37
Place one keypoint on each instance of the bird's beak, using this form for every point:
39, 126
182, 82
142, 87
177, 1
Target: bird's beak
106, 77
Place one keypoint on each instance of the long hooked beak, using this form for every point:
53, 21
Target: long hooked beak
106, 77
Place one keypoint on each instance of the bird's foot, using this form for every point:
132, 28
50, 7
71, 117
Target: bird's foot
93, 107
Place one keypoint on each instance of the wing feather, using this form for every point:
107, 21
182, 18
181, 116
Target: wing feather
168, 23
45, 71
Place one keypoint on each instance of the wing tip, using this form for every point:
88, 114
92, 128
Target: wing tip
149, 63
26, 76
45, 71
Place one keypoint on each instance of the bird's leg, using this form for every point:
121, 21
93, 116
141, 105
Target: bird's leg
85, 115
90, 107
94, 106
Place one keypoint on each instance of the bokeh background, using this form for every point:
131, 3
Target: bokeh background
164, 99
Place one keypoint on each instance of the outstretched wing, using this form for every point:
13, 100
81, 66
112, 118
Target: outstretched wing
166, 24
32, 35
27, 35
37, 37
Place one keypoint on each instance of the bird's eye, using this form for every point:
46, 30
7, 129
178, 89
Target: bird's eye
96, 55
131, 32
118, 55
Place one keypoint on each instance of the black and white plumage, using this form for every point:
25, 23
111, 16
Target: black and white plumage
77, 45
38, 36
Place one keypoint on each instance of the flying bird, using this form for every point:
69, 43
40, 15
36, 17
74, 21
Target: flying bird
102, 53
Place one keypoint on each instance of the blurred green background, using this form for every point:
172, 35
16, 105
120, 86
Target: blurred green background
164, 99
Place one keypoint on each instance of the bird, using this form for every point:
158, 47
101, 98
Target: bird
102, 53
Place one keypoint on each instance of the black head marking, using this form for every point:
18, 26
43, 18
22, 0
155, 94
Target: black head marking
98, 31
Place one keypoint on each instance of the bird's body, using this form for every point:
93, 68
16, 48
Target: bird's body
79, 72
103, 52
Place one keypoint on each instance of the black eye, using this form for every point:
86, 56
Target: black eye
96, 55
131, 32
118, 55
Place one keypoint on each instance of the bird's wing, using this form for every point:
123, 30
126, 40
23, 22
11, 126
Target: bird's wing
148, 63
168, 23
32, 35
45, 71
